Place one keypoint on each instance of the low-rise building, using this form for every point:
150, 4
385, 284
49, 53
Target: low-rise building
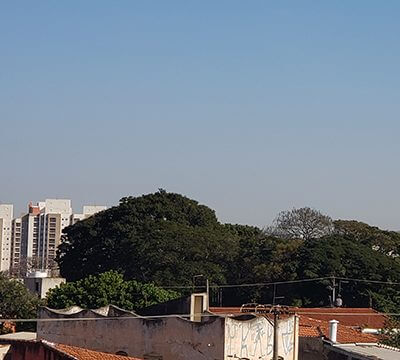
39, 283
13, 348
322, 336
172, 337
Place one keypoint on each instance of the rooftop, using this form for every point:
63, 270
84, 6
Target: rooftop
310, 327
22, 335
355, 317
86, 354
380, 352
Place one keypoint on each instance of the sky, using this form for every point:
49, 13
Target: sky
249, 107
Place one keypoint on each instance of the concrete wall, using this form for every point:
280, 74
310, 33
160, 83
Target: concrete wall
253, 339
166, 338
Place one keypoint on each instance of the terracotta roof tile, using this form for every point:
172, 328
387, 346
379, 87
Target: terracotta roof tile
312, 327
86, 354
361, 317
346, 335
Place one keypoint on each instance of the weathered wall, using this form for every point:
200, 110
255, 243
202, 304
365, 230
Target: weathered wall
171, 338
254, 338
311, 348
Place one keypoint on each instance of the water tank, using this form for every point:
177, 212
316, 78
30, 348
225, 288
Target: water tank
38, 274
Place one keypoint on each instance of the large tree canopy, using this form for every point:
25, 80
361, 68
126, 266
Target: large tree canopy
108, 288
164, 237
167, 239
386, 242
341, 257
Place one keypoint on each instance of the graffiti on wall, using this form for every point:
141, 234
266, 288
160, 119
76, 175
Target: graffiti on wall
254, 339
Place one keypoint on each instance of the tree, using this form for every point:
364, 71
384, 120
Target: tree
390, 333
340, 257
108, 288
304, 223
386, 242
163, 238
261, 259
16, 302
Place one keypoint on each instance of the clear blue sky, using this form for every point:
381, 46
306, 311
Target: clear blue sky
250, 107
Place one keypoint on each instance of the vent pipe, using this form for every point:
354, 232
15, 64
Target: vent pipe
333, 326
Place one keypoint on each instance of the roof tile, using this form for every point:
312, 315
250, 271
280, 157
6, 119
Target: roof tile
86, 354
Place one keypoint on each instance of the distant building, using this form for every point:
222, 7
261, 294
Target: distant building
6, 216
34, 247
16, 236
39, 283
88, 210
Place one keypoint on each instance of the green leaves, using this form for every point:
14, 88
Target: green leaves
165, 238
16, 302
107, 288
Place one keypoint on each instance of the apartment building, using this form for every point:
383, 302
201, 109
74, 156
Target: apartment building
54, 216
6, 216
16, 235
41, 233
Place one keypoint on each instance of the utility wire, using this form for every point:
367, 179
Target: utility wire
368, 281
284, 282
187, 316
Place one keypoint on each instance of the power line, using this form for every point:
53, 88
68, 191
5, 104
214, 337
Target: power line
285, 282
249, 285
183, 316
368, 281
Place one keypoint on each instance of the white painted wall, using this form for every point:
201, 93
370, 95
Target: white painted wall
254, 339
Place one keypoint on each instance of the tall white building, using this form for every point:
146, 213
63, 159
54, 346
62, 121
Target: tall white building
6, 216
41, 232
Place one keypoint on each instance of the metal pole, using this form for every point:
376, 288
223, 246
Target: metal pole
208, 294
275, 349
334, 292
273, 299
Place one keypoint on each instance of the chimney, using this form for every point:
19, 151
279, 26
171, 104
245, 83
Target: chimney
333, 326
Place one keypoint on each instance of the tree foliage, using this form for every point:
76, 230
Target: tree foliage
94, 292
341, 257
167, 239
304, 223
164, 237
16, 302
386, 242
390, 333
